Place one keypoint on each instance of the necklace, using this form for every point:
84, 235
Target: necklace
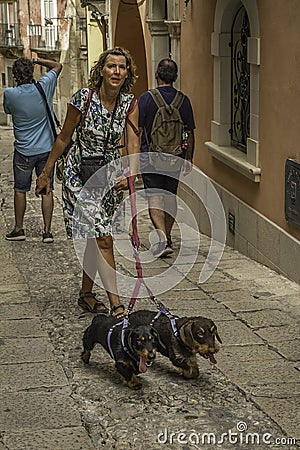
108, 109
109, 106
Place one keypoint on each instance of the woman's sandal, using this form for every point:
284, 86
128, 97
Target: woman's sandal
98, 308
118, 315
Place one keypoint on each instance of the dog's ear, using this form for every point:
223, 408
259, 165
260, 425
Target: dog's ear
129, 339
188, 334
155, 334
214, 331
218, 337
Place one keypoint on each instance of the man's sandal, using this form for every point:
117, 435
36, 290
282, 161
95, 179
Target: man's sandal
118, 315
98, 308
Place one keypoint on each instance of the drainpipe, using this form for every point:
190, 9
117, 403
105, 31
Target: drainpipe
109, 20
29, 23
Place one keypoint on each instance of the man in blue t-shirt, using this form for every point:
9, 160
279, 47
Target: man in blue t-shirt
33, 136
163, 203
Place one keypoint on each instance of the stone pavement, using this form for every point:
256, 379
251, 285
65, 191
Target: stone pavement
50, 400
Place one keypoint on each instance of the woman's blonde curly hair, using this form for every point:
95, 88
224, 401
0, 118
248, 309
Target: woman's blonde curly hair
96, 78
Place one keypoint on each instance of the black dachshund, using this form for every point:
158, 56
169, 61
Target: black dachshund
181, 339
133, 349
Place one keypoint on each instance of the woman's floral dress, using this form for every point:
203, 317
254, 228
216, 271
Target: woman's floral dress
87, 213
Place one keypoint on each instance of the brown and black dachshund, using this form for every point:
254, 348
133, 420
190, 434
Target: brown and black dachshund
132, 356
195, 335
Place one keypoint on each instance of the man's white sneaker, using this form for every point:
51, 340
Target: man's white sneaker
47, 237
16, 235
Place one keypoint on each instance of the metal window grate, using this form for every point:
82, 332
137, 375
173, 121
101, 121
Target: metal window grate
240, 81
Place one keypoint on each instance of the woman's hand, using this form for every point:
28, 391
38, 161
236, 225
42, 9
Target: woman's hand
43, 181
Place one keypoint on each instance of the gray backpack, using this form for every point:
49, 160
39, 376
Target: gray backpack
167, 127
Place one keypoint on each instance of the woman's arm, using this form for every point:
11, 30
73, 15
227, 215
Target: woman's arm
72, 120
133, 147
133, 142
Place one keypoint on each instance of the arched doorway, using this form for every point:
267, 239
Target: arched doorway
129, 34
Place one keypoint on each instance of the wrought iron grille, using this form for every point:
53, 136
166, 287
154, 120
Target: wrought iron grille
240, 81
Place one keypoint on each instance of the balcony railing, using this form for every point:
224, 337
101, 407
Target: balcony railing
10, 35
40, 37
44, 37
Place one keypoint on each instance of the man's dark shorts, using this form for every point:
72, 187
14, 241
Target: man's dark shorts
156, 182
23, 167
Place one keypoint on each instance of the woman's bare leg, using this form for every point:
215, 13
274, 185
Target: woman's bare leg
107, 269
90, 261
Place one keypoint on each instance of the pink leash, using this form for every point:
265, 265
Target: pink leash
136, 244
135, 238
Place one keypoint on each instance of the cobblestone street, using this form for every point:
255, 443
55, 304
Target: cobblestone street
51, 401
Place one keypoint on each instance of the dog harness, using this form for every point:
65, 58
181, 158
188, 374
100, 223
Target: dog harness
127, 350
172, 320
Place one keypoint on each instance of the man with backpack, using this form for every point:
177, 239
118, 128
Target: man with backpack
167, 124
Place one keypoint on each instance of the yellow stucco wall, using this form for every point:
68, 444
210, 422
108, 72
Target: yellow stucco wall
94, 41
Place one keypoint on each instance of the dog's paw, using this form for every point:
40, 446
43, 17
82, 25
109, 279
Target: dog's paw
191, 373
134, 383
85, 356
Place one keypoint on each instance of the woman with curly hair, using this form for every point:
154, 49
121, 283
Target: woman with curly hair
102, 113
